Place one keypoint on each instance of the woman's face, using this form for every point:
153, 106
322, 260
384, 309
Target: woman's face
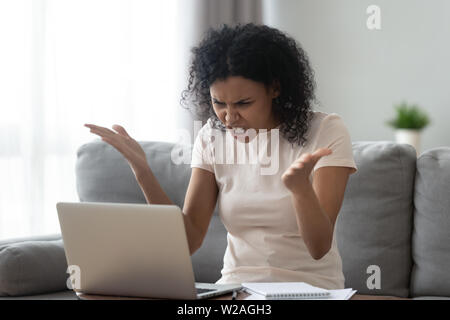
242, 103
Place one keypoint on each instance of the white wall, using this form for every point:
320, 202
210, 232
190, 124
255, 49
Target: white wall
361, 73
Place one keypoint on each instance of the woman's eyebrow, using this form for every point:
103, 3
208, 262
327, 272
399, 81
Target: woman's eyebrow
242, 100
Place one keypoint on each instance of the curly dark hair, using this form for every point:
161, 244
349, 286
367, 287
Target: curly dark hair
259, 53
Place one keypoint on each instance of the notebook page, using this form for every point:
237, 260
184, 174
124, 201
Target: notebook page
285, 289
340, 294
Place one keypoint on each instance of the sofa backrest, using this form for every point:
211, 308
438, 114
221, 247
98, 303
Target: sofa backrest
104, 175
431, 233
373, 228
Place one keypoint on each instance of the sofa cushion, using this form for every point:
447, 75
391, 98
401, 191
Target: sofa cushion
59, 295
431, 298
208, 260
375, 221
431, 236
104, 175
50, 237
32, 267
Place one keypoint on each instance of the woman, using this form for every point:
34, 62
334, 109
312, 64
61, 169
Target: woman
251, 81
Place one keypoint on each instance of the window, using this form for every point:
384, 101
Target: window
65, 63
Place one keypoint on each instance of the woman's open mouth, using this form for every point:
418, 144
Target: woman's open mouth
239, 131
242, 134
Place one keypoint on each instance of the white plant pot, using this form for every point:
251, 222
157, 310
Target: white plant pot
409, 136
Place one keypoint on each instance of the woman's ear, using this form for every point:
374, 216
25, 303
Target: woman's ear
275, 89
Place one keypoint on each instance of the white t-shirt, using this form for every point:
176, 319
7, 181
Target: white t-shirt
263, 240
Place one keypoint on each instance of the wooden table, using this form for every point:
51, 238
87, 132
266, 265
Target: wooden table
240, 296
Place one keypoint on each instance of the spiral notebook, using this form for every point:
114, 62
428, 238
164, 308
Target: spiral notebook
285, 290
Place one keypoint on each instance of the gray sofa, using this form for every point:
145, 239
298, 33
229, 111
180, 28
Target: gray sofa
395, 218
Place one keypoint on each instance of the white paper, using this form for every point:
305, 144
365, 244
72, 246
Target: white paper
276, 288
340, 294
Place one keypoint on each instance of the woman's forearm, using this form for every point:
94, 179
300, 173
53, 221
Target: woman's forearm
313, 223
151, 188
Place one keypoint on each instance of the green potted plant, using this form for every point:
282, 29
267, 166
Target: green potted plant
408, 124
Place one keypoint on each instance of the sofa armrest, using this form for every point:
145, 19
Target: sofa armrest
34, 265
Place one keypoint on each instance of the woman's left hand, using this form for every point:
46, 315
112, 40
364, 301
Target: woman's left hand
296, 177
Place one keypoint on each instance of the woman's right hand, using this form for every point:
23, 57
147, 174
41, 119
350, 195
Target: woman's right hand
126, 145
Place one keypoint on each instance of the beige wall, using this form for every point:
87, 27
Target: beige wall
361, 73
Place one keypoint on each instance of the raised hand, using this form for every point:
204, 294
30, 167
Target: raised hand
296, 177
126, 145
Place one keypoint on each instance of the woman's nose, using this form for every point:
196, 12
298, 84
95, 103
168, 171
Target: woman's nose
231, 118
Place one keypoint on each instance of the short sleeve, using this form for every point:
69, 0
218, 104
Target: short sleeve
333, 134
202, 150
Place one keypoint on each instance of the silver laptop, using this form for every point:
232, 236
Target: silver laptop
132, 250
